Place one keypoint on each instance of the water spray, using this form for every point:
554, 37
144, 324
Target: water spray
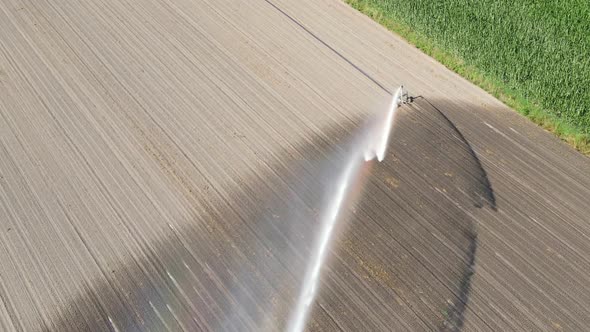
372, 145
378, 138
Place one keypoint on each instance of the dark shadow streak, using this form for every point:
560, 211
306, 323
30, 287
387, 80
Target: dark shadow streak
456, 310
490, 197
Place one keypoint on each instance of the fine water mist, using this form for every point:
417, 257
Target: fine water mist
370, 143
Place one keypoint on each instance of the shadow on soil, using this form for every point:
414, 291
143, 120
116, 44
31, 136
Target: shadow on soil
404, 257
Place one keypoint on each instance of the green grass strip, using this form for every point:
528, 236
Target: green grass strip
533, 56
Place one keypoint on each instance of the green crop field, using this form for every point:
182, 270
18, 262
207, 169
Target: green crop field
533, 55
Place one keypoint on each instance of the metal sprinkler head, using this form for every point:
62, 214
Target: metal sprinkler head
405, 98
